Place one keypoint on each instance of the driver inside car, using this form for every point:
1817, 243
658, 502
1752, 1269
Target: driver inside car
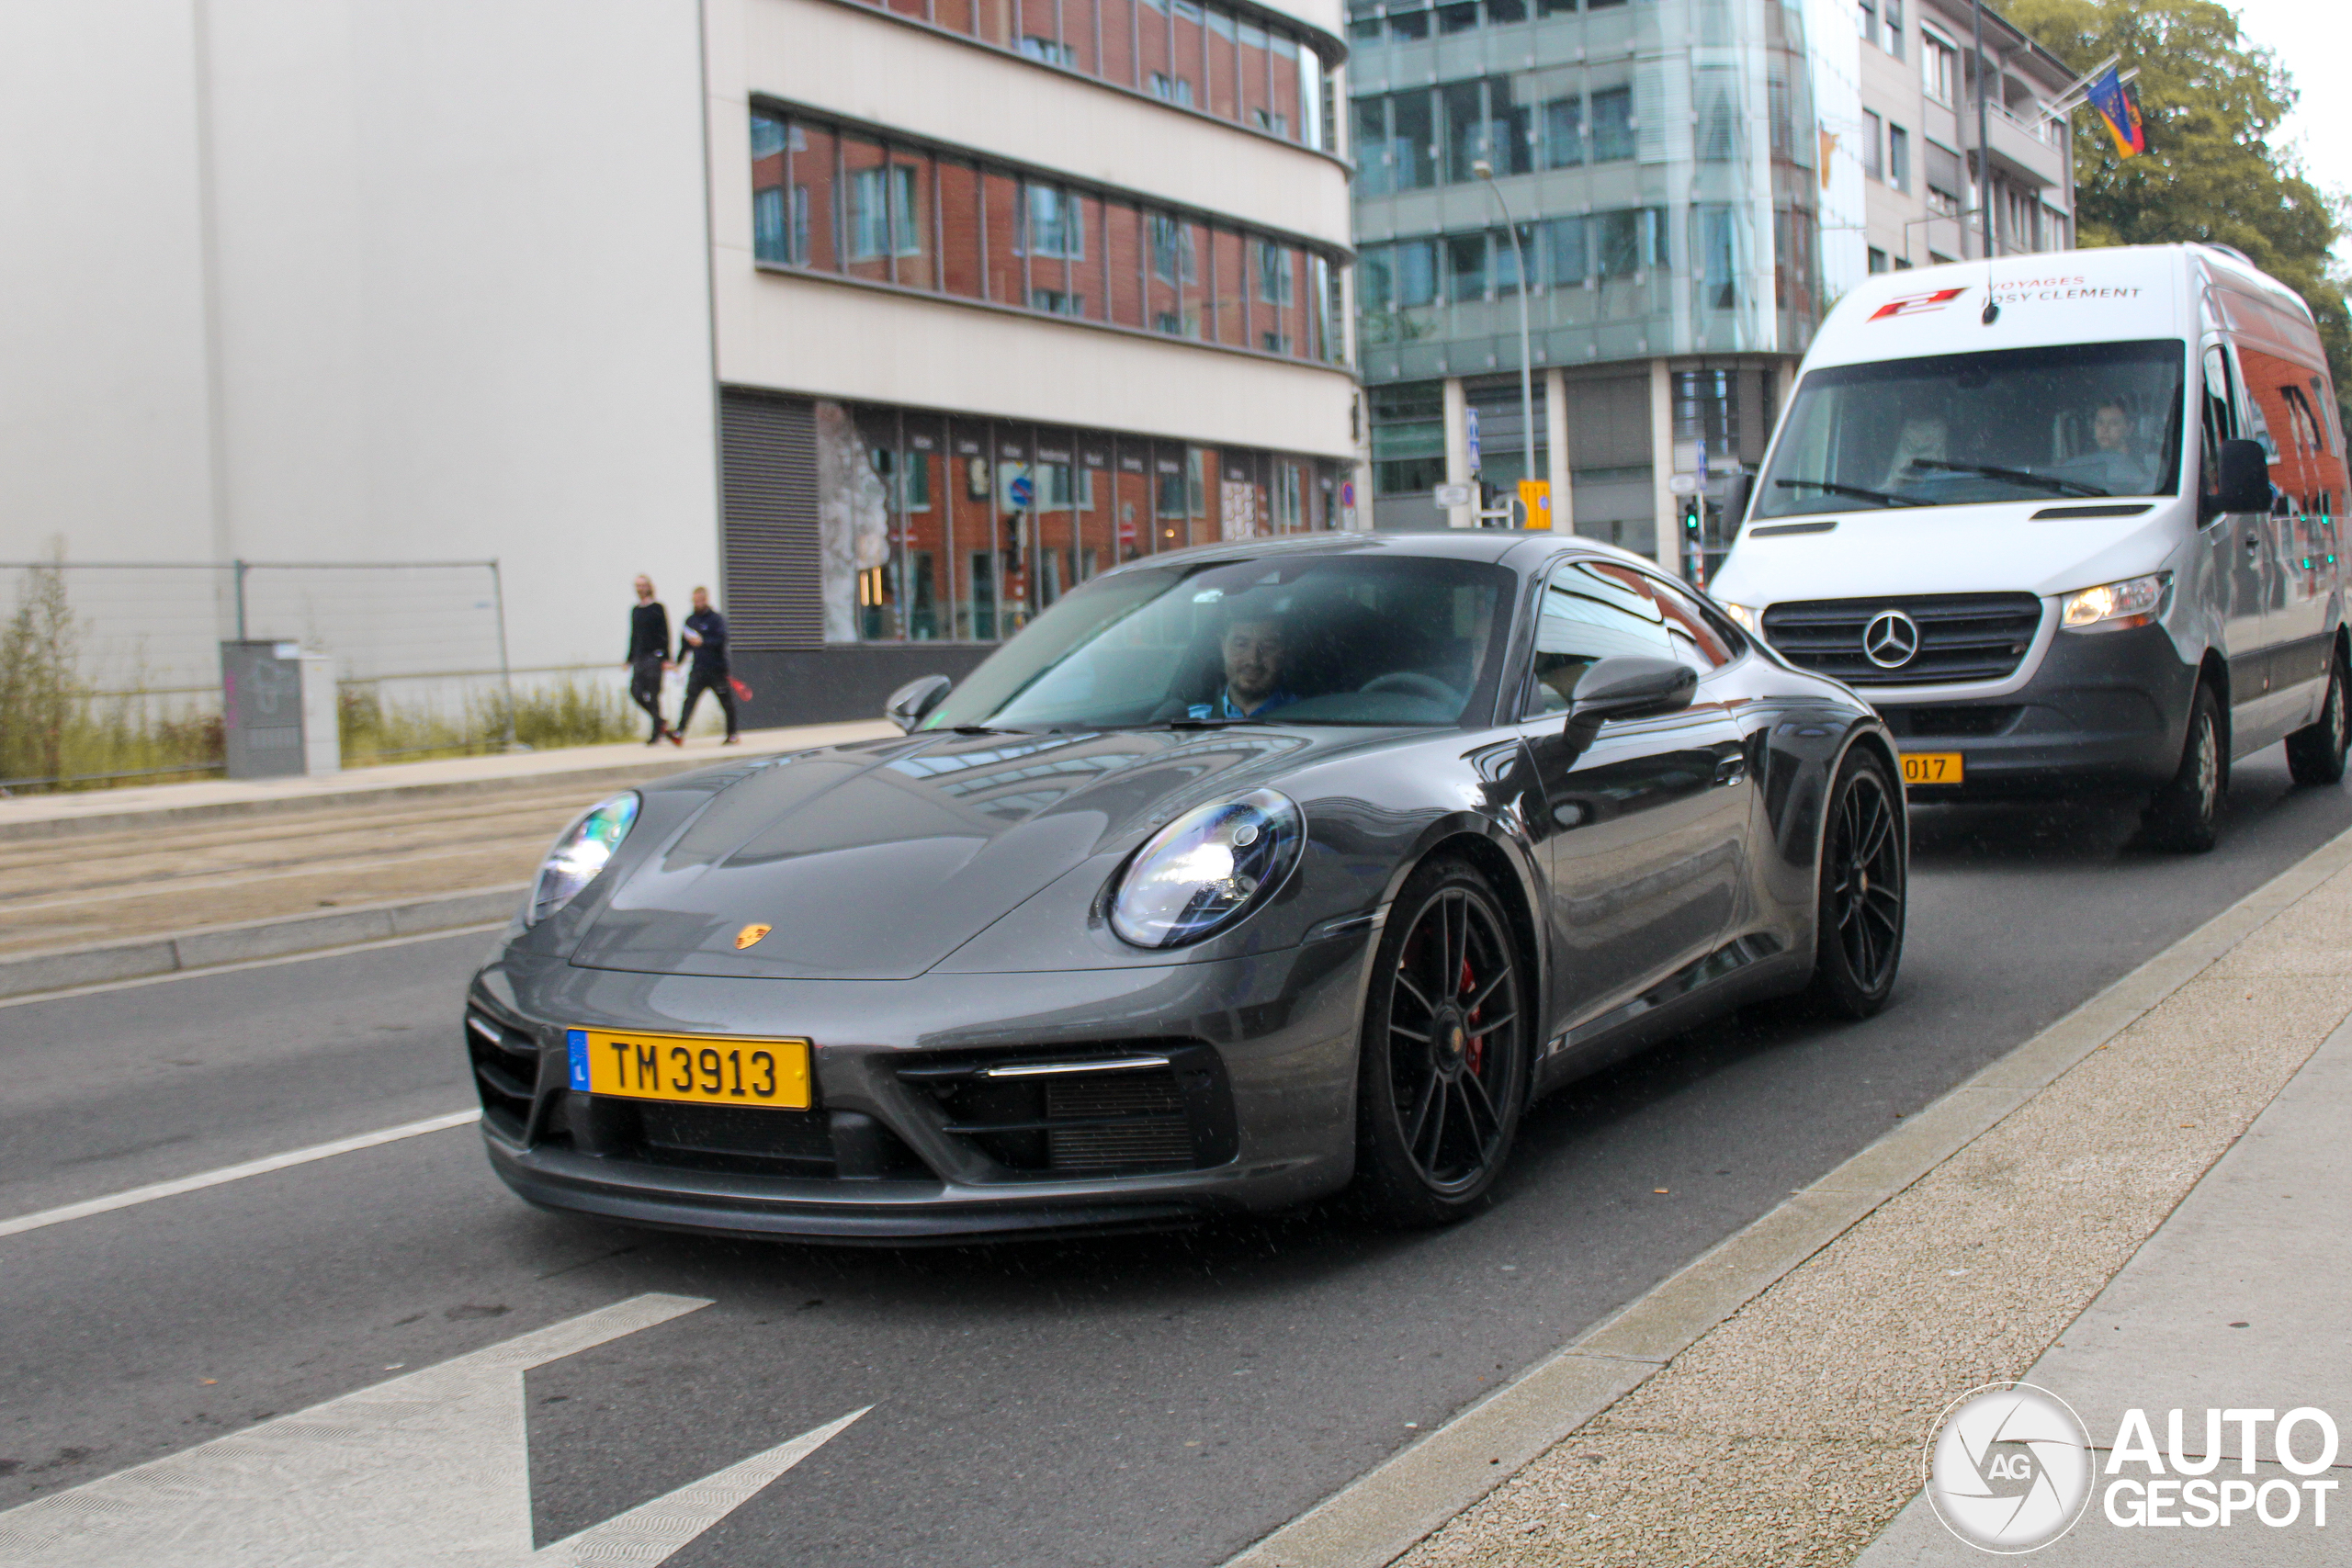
1254, 652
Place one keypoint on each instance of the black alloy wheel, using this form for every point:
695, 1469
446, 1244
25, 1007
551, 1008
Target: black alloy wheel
1443, 1074
2315, 753
1858, 939
2185, 815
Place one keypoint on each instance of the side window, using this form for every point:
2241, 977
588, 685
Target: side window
2221, 421
1590, 611
1700, 640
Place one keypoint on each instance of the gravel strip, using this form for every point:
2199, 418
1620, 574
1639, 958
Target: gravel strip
1789, 1434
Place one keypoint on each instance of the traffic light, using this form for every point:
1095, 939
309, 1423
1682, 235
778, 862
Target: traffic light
1694, 540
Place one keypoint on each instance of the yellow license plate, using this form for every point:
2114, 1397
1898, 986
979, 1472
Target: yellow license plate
1931, 767
692, 1069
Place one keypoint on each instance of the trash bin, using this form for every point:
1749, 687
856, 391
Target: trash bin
277, 711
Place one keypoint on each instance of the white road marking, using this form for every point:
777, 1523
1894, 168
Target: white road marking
227, 1173
427, 1471
69, 993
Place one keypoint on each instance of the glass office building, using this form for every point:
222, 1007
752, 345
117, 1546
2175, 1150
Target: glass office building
1660, 160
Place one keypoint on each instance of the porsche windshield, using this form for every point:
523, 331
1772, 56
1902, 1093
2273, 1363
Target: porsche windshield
2078, 420
1335, 637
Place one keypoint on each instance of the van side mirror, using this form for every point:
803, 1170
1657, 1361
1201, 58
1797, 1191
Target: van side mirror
2245, 480
912, 703
1738, 492
1627, 687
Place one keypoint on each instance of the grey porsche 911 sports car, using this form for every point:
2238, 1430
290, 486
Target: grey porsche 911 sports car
1240, 876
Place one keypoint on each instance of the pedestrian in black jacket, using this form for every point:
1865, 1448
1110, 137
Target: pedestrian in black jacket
704, 639
649, 656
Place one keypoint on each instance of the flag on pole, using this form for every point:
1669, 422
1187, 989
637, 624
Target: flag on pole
2119, 104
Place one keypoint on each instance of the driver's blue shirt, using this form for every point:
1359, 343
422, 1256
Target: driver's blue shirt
1223, 706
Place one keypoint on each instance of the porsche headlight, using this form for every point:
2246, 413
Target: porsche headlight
1206, 870
580, 854
2115, 607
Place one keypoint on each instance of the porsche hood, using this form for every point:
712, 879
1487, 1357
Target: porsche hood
875, 863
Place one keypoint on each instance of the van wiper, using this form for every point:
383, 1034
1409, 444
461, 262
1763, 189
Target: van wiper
1832, 488
1204, 723
2015, 476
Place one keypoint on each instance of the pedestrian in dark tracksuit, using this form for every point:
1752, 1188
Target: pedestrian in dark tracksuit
649, 656
704, 639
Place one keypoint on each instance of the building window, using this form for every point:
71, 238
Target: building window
1869, 20
1945, 180
1173, 89
1034, 244
1873, 145
1563, 132
1050, 52
1894, 27
1877, 259
1898, 157
1938, 68
1407, 437
1613, 124
1275, 285
1057, 225
874, 222
1465, 268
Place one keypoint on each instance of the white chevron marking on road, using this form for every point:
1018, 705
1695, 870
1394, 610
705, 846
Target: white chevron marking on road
426, 1471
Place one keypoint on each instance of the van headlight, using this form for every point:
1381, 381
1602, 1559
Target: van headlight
1745, 617
580, 854
1206, 870
2115, 607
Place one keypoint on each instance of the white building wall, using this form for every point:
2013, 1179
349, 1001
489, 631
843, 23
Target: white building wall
455, 257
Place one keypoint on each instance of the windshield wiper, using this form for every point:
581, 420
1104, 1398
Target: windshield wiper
1832, 488
1205, 722
2015, 476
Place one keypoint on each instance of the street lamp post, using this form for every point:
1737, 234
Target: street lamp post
1485, 172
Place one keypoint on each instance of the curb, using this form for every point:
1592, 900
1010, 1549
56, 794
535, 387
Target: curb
210, 947
1385, 1513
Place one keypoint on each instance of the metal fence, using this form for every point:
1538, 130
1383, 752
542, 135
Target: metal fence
111, 669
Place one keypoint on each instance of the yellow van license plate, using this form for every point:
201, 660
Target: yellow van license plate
691, 1069
1931, 767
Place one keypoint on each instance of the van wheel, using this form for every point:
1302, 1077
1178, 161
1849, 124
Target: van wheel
2315, 753
2184, 816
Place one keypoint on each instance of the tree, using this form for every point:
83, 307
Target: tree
2212, 103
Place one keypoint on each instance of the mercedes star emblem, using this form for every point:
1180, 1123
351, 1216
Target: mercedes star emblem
1891, 640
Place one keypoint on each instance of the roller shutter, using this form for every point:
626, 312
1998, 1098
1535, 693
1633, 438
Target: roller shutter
774, 573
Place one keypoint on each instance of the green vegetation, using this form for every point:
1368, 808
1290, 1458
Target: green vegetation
2212, 103
53, 725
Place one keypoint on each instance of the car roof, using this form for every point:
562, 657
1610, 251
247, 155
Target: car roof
1496, 544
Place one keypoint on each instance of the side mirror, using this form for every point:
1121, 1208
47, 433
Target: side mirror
2245, 479
1738, 492
912, 703
1628, 687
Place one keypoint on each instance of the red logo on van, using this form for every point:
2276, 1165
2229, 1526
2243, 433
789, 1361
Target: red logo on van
1914, 304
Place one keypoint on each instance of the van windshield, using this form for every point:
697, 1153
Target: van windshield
1958, 428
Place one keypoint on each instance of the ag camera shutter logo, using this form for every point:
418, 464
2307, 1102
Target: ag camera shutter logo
2009, 1468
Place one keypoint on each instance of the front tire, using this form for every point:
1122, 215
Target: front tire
1443, 1071
2315, 753
1864, 900
2185, 815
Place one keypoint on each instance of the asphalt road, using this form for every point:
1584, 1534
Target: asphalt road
1152, 1400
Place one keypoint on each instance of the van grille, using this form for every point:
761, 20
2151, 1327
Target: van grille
1962, 637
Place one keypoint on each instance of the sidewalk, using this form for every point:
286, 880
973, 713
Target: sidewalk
114, 885
37, 815
2238, 1301
2094, 1213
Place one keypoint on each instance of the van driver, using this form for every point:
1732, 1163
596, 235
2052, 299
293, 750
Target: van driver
1924, 438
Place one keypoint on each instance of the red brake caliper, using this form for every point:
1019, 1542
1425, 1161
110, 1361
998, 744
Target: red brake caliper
1475, 1053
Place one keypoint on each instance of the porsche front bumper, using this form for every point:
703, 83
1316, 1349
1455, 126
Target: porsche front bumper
947, 1107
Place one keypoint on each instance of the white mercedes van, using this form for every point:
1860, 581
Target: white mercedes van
2070, 521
